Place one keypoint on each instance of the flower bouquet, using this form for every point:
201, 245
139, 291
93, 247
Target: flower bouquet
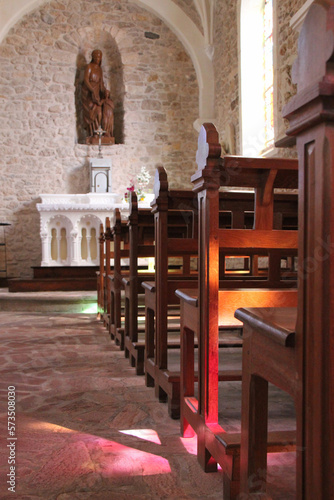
143, 179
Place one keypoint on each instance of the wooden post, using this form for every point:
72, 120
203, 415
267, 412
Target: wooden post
160, 211
108, 238
206, 184
311, 117
133, 273
115, 302
100, 289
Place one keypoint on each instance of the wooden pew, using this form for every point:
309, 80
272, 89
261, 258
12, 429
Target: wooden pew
236, 209
141, 241
160, 294
131, 233
106, 284
120, 236
269, 334
104, 269
107, 297
180, 208
99, 276
216, 307
176, 224
302, 345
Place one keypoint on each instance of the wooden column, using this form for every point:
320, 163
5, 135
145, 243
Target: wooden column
133, 267
160, 211
100, 289
108, 238
116, 300
311, 117
206, 184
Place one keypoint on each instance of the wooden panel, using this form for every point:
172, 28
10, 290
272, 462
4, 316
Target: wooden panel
182, 246
231, 300
243, 162
257, 239
310, 114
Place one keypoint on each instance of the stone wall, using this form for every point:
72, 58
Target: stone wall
226, 64
226, 56
42, 61
285, 54
153, 81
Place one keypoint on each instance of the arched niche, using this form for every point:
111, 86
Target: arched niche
185, 29
112, 68
88, 229
58, 231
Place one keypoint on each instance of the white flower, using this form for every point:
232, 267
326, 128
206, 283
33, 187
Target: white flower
143, 177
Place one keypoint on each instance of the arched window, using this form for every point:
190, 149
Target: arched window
256, 82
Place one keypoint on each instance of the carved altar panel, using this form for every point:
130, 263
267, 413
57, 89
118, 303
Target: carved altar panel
70, 226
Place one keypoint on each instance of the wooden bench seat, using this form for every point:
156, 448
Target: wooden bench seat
100, 275
104, 269
239, 206
278, 441
107, 257
172, 209
294, 349
141, 247
124, 237
120, 251
177, 225
269, 334
160, 295
217, 306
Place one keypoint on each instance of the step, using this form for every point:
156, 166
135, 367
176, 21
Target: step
65, 272
49, 302
51, 284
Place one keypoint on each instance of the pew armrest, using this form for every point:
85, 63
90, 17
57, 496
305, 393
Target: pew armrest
190, 296
149, 285
276, 323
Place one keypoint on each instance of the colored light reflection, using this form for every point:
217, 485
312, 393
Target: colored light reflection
114, 459
190, 444
47, 426
146, 434
120, 460
92, 309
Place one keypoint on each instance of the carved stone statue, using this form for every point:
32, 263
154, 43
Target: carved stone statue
98, 107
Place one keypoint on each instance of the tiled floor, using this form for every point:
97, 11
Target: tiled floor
86, 425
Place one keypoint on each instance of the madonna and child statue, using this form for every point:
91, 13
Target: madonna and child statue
97, 106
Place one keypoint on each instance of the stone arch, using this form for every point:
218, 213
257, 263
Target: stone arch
176, 19
60, 220
196, 46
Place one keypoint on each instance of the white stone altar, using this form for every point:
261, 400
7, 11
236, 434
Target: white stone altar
70, 223
70, 226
